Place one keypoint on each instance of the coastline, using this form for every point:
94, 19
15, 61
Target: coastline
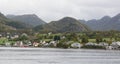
39, 48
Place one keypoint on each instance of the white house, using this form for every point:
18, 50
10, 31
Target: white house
15, 36
43, 42
19, 44
91, 44
53, 43
7, 44
104, 44
115, 45
46, 45
36, 44
109, 47
76, 45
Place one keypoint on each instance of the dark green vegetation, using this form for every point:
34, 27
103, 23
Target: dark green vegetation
84, 37
8, 25
30, 19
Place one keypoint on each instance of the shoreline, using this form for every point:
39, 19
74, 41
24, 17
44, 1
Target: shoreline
50, 48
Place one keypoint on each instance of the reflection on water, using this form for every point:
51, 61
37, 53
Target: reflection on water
57, 56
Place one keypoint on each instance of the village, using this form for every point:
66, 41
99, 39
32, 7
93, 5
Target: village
22, 40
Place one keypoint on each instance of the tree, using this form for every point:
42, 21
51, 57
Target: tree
85, 39
56, 38
73, 37
98, 40
23, 37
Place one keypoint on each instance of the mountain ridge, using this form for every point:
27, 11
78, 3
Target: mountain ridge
106, 23
30, 19
66, 24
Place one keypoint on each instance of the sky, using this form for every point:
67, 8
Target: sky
52, 10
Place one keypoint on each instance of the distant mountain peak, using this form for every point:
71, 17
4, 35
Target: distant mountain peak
105, 18
2, 15
69, 19
66, 24
117, 16
29, 15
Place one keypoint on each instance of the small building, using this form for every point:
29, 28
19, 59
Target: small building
35, 44
76, 45
115, 45
91, 44
46, 45
53, 43
30, 43
43, 42
104, 44
109, 47
7, 44
19, 44
14, 36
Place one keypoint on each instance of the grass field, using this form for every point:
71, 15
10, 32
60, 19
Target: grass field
3, 40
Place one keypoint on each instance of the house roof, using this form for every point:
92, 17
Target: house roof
118, 43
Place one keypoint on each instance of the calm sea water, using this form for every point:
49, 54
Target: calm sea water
57, 56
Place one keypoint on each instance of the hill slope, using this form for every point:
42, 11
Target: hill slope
7, 24
66, 24
104, 24
30, 19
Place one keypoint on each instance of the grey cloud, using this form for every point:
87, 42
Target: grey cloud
50, 10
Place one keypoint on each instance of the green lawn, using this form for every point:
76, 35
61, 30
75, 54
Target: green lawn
3, 40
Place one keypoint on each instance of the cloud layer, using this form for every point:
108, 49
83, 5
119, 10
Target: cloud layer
50, 10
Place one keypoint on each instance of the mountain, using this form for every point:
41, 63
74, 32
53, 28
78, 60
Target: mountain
7, 24
106, 23
30, 19
3, 21
66, 24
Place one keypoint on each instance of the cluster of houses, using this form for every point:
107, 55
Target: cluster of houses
32, 44
113, 46
39, 44
9, 35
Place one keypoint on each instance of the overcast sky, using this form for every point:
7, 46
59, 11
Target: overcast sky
50, 10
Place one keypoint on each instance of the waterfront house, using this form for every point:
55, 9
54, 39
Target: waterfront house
19, 44
104, 44
76, 45
53, 43
36, 44
109, 47
91, 44
43, 42
115, 45
29, 43
45, 45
